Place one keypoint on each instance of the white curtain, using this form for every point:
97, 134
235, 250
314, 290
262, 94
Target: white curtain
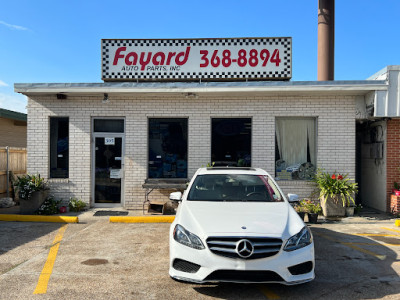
312, 136
292, 136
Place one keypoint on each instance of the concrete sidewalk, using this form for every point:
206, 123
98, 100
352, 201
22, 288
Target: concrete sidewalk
367, 215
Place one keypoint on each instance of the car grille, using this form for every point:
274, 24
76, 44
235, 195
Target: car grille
243, 276
301, 268
226, 246
185, 266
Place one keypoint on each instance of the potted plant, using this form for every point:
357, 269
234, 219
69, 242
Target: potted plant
300, 211
336, 192
32, 191
396, 188
350, 210
357, 209
312, 209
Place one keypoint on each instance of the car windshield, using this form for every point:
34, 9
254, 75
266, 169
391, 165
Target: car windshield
234, 187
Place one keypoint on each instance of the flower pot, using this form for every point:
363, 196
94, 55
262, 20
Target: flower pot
30, 206
312, 218
301, 214
350, 211
333, 206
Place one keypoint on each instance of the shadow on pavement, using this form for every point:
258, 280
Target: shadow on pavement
21, 234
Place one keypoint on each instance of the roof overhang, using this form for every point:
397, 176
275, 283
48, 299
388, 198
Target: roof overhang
12, 115
360, 87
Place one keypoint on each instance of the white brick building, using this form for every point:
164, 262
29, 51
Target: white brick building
333, 108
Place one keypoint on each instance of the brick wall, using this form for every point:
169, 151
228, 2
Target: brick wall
394, 204
335, 141
393, 157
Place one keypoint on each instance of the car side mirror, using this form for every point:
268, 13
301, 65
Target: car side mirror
293, 197
175, 196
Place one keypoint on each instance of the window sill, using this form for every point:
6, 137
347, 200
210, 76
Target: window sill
58, 180
296, 182
166, 183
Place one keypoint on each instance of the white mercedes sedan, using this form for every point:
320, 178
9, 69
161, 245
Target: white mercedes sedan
235, 225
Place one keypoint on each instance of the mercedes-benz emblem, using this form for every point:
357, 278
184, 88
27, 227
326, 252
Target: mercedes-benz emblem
244, 248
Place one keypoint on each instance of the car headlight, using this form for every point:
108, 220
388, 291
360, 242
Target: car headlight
185, 237
300, 240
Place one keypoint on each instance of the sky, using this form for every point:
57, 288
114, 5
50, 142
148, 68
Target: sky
59, 41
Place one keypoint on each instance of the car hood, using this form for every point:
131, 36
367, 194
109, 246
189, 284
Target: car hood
244, 218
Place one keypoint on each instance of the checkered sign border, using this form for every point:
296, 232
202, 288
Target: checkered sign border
285, 74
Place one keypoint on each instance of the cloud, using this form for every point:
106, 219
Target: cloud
15, 102
16, 27
2, 83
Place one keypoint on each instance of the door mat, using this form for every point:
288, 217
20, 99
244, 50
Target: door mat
110, 213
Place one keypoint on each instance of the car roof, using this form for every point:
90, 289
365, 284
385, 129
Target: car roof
231, 170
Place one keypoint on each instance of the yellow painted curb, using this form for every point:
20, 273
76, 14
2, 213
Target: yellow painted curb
144, 219
32, 218
397, 222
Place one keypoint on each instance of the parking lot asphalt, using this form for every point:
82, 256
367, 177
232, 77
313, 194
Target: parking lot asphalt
356, 258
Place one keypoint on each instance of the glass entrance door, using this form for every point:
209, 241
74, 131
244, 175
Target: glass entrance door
107, 169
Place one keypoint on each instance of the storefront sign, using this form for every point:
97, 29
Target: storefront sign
197, 59
115, 173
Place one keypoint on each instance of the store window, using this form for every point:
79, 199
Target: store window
168, 140
59, 147
295, 144
231, 142
108, 125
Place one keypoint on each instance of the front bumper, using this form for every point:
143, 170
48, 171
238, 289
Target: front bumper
217, 268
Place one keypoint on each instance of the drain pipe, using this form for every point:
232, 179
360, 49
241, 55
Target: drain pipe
326, 39
8, 176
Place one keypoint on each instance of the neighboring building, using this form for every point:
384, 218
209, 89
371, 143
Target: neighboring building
12, 128
112, 143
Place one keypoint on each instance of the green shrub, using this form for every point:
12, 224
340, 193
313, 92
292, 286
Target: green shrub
330, 185
76, 204
49, 206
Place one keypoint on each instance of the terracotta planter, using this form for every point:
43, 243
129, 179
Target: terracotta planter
333, 206
30, 206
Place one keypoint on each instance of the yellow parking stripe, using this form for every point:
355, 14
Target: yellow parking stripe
390, 229
373, 244
378, 256
268, 293
351, 245
376, 234
41, 287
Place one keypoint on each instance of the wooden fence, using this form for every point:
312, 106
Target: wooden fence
16, 165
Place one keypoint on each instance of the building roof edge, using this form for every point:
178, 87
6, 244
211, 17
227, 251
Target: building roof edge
199, 87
